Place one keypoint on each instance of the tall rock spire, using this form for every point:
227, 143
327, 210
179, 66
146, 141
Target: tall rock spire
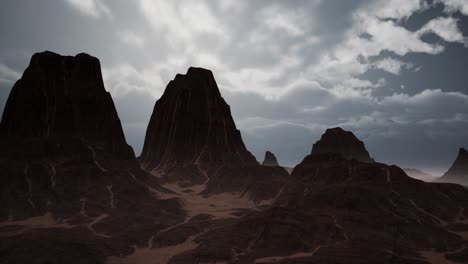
270, 159
192, 124
192, 139
458, 172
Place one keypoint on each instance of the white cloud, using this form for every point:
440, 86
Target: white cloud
8, 75
182, 24
396, 9
392, 65
446, 28
94, 8
132, 39
278, 19
456, 5
345, 62
427, 98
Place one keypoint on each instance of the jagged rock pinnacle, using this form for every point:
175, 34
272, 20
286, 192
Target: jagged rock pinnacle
458, 172
270, 159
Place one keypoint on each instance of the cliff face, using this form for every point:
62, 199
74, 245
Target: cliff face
458, 172
192, 124
270, 159
64, 161
345, 143
62, 99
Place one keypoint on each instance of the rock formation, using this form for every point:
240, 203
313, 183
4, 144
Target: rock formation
192, 139
458, 172
78, 196
345, 143
67, 169
192, 124
270, 159
337, 210
62, 99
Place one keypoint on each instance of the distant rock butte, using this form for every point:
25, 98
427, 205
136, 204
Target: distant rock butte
339, 141
62, 99
458, 172
192, 124
270, 159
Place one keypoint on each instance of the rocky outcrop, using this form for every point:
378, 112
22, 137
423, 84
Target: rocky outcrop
270, 159
62, 99
345, 143
66, 168
458, 172
192, 139
192, 124
333, 209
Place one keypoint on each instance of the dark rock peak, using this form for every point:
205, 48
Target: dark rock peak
270, 159
192, 124
204, 77
461, 162
61, 99
345, 143
458, 172
462, 152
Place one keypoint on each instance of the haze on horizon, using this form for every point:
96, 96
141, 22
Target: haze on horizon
393, 72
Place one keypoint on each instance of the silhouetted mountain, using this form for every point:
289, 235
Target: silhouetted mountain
458, 172
418, 174
192, 139
192, 124
345, 143
79, 195
337, 210
62, 99
270, 159
65, 167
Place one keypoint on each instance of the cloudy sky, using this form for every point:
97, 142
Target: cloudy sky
394, 72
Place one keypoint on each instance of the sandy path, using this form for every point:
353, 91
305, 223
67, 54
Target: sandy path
154, 255
292, 256
38, 222
219, 206
95, 221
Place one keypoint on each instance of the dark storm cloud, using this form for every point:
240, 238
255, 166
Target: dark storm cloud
391, 71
